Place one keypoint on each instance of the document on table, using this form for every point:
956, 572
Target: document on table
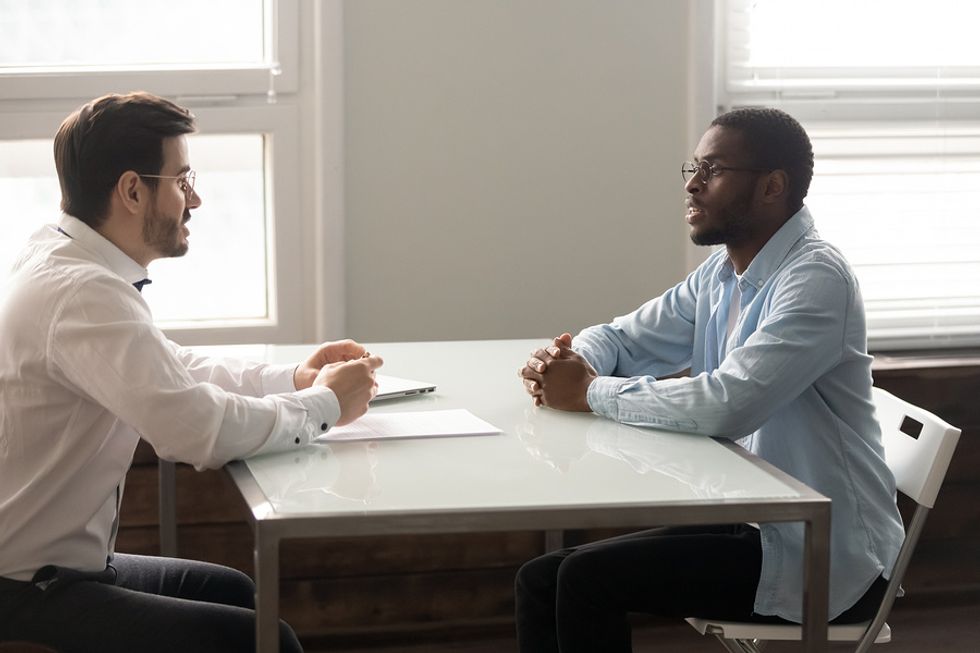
414, 424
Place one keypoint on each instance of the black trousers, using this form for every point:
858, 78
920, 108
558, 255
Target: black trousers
138, 603
577, 599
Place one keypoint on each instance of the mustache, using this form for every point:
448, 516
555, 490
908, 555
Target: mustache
187, 216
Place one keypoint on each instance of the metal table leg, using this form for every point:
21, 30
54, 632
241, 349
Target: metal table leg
816, 580
168, 508
266, 590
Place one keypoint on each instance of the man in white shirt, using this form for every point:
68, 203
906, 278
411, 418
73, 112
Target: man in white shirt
84, 374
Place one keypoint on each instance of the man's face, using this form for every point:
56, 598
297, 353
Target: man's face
720, 210
164, 226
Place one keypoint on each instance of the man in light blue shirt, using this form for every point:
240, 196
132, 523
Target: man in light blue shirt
772, 331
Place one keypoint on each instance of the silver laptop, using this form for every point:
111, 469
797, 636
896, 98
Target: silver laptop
391, 387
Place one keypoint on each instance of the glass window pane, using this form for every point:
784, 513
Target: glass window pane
875, 33
903, 207
224, 274
123, 32
30, 192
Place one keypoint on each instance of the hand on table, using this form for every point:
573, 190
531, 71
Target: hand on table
557, 377
327, 353
354, 384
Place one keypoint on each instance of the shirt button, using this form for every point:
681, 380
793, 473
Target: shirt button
296, 440
324, 427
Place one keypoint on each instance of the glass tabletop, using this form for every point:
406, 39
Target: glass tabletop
543, 458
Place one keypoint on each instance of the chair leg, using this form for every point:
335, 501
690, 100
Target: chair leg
741, 645
730, 645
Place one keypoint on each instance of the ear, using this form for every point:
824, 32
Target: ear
776, 187
131, 193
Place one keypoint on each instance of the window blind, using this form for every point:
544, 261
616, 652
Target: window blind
890, 95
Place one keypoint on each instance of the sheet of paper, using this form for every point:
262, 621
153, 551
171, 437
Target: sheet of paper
416, 424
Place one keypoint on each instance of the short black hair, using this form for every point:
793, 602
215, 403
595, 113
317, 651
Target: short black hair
775, 141
108, 136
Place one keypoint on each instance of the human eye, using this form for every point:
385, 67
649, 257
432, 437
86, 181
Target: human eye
706, 170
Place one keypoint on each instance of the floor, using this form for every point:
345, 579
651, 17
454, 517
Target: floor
915, 629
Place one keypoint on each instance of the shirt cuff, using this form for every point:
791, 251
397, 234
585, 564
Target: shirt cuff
301, 417
278, 378
322, 408
602, 395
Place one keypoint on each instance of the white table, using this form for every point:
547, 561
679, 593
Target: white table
549, 470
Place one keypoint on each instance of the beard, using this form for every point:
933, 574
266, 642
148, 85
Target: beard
163, 233
734, 224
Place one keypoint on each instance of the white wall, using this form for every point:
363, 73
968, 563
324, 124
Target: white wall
512, 166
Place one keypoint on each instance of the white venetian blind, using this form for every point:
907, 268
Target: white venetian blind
890, 95
839, 46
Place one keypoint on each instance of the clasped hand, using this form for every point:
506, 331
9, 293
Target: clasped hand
557, 377
346, 368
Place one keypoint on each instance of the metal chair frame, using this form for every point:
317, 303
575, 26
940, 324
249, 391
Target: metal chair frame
919, 464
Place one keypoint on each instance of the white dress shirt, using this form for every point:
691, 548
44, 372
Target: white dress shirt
84, 374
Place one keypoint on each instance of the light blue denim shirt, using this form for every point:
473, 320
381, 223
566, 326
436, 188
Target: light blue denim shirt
795, 384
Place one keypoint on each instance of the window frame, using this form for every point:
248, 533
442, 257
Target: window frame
224, 99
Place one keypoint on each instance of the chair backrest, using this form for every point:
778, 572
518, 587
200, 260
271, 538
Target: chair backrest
918, 448
919, 462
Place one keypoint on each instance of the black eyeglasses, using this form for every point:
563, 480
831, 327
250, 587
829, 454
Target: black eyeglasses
185, 182
707, 170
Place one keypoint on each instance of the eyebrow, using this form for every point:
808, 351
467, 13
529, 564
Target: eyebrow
710, 156
712, 159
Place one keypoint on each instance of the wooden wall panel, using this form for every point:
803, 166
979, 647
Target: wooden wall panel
231, 544
319, 605
947, 559
202, 497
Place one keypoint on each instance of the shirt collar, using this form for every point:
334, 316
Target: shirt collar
772, 254
92, 241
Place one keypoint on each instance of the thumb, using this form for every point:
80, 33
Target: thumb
564, 339
372, 362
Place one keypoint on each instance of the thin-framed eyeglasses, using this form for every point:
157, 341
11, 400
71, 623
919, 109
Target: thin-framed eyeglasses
707, 170
185, 182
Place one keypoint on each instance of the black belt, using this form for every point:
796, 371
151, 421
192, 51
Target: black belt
52, 577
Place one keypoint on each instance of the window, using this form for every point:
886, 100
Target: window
83, 48
43, 34
890, 95
222, 60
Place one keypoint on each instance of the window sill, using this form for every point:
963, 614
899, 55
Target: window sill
926, 359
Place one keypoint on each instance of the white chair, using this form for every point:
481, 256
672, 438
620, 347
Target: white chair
919, 464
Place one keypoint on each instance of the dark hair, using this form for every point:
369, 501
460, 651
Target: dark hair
110, 135
775, 141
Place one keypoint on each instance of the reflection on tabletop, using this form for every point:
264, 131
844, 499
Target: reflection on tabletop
648, 451
548, 436
345, 470
557, 448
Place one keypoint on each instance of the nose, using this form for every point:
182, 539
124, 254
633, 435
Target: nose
194, 200
693, 185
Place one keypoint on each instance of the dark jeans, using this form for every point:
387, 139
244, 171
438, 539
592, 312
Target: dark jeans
138, 603
577, 599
